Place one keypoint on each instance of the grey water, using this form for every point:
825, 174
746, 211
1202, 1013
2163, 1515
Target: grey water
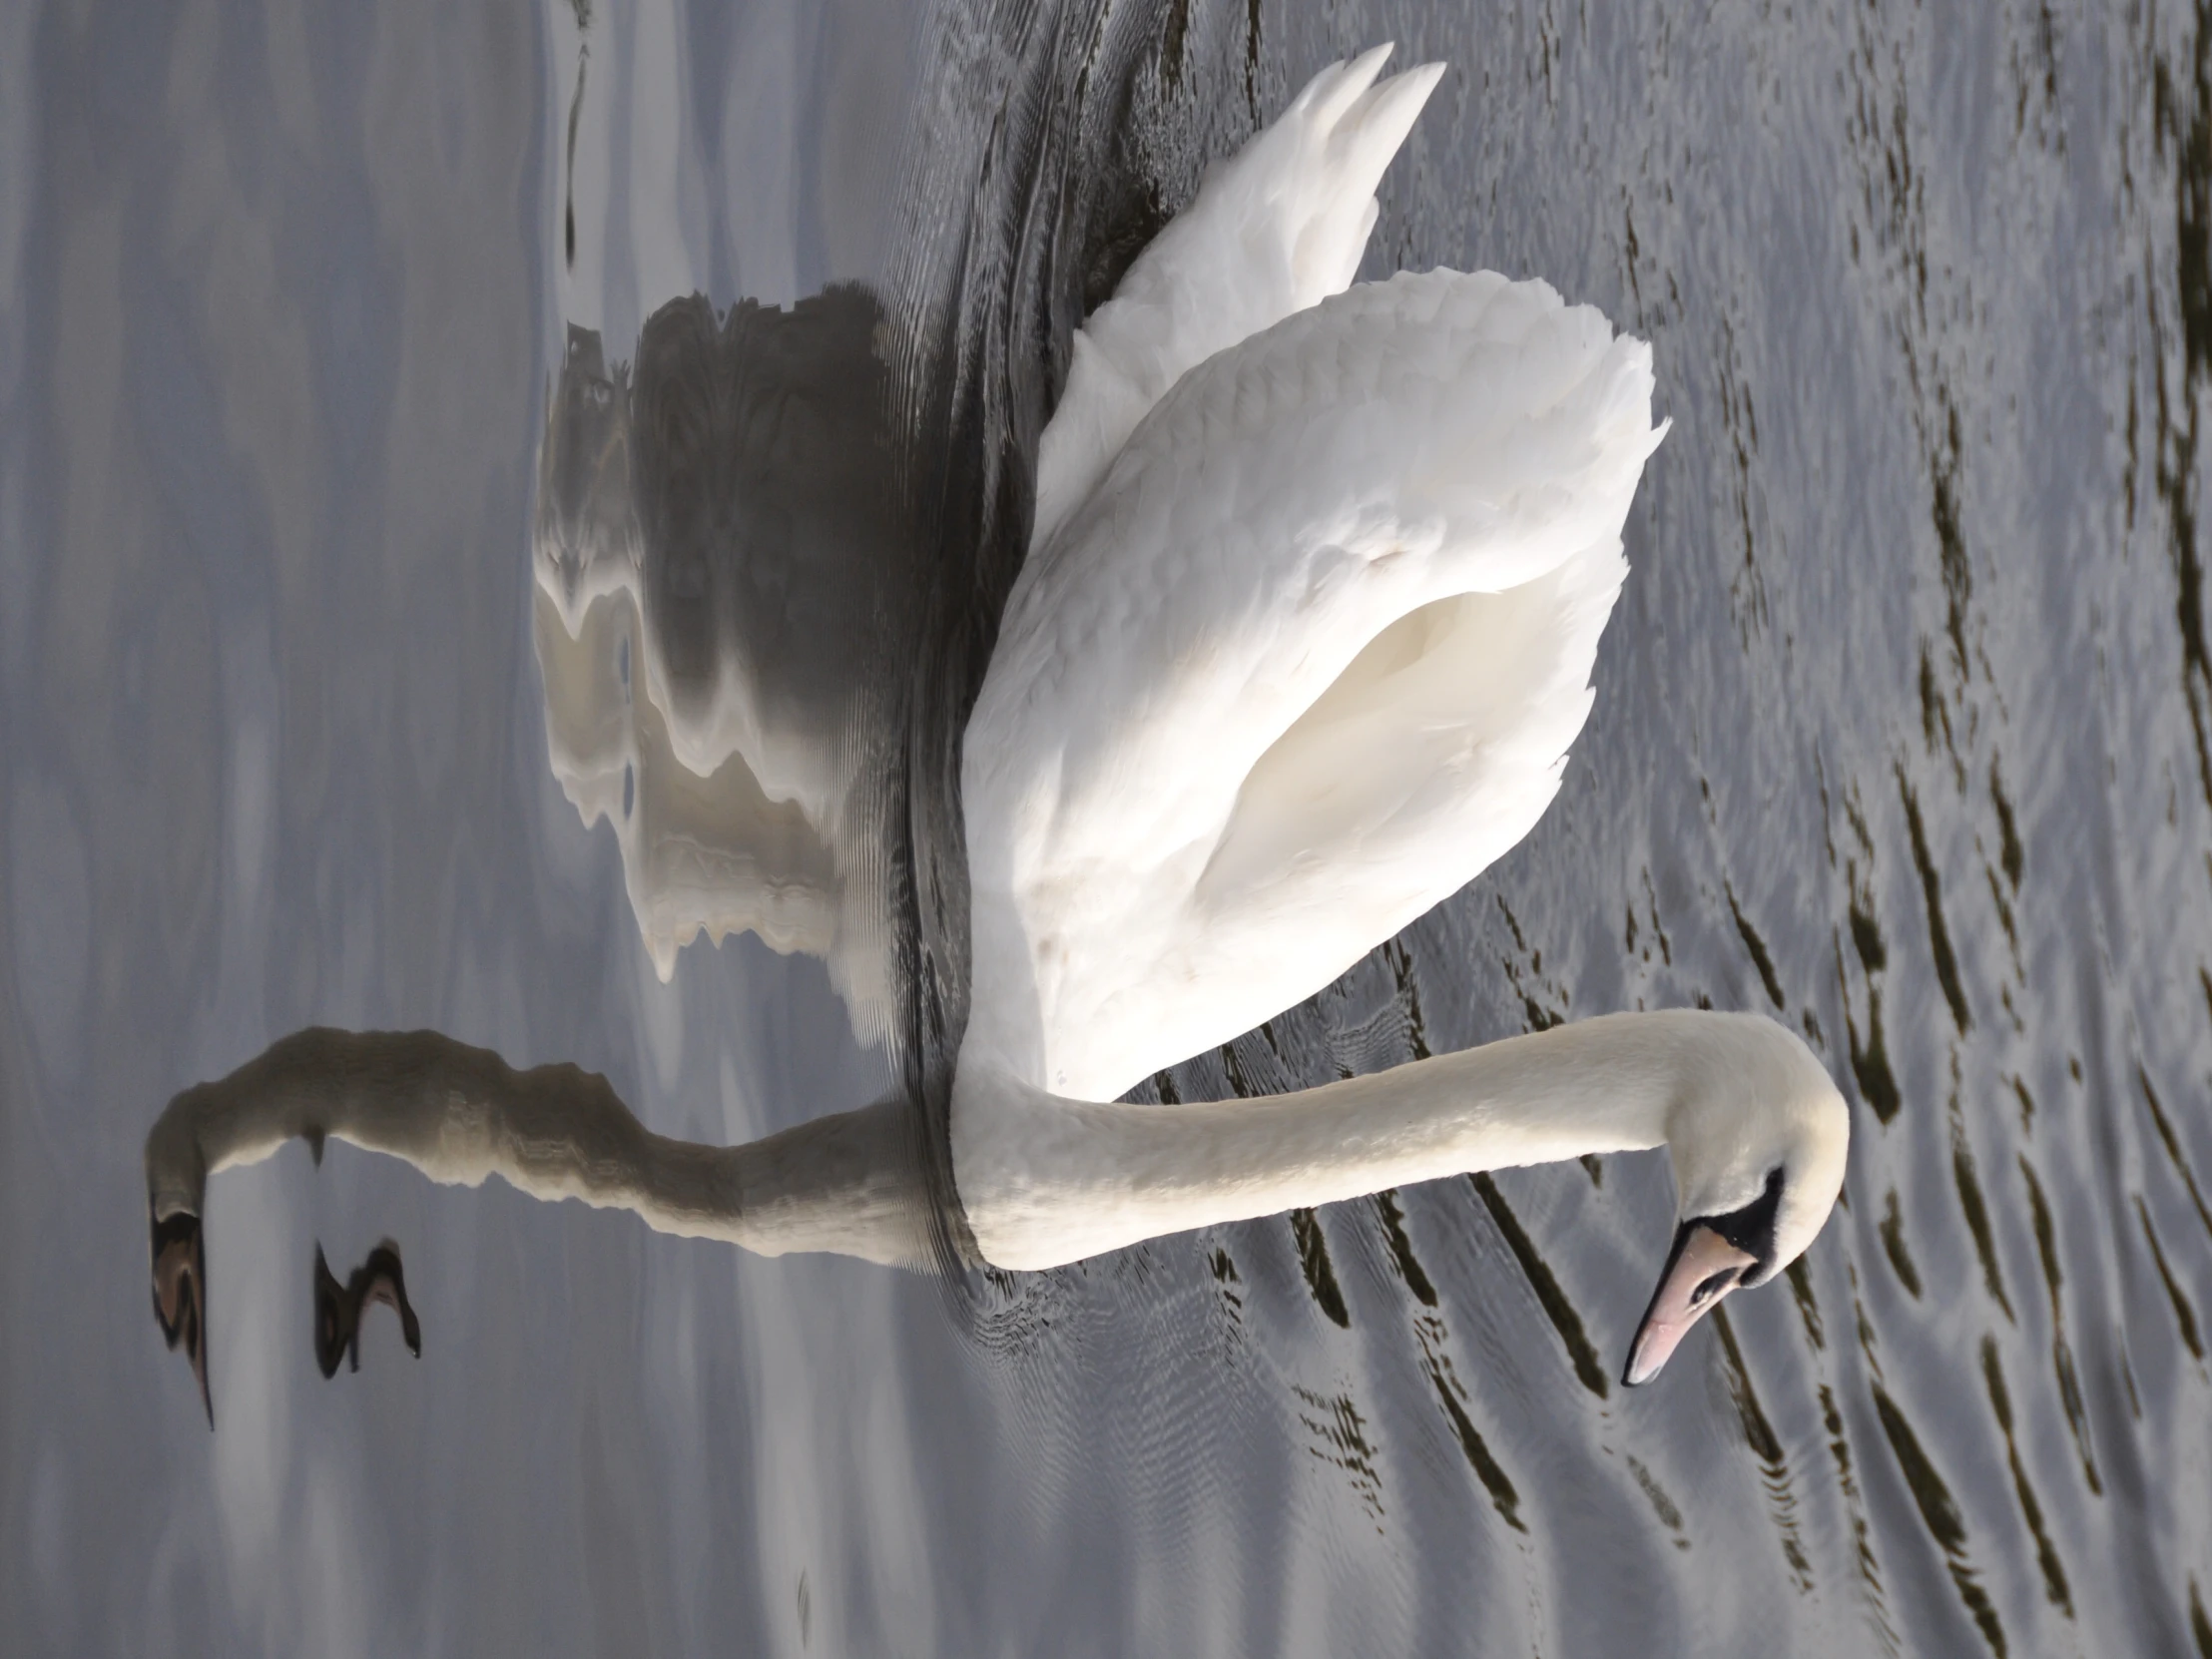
340, 349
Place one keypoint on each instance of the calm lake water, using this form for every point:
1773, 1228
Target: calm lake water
348, 353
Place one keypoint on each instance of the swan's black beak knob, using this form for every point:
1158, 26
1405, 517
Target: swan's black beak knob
181, 1293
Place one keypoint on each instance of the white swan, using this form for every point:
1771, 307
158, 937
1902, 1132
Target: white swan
1305, 633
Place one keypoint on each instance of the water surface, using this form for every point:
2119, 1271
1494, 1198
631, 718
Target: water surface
1900, 735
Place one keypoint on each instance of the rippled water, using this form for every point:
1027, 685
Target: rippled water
1902, 733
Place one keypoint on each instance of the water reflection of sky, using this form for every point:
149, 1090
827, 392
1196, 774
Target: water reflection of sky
1895, 737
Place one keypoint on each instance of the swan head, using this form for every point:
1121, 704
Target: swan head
1758, 1152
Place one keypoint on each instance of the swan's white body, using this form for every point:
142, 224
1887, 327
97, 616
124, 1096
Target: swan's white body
1308, 658
1305, 633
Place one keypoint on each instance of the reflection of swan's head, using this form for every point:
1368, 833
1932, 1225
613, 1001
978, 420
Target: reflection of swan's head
1758, 1164
181, 1293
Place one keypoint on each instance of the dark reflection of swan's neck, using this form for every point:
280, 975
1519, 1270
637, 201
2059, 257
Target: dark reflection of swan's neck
849, 1182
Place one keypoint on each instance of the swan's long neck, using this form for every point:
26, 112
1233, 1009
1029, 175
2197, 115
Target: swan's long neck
845, 1183
1047, 1180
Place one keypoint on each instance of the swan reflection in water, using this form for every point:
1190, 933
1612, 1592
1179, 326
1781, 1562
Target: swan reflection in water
721, 579
340, 1309
1306, 629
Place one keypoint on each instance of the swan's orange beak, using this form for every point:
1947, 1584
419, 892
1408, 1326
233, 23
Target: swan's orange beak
1703, 1268
180, 1295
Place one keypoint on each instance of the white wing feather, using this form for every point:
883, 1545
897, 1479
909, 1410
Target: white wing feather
1305, 660
1279, 227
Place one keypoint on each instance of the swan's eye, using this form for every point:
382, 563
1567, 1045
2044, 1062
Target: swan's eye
1713, 1287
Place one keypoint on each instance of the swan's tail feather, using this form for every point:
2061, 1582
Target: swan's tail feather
1327, 95
1277, 228
1357, 148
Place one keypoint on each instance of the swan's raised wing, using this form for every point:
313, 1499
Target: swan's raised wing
1307, 660
1279, 227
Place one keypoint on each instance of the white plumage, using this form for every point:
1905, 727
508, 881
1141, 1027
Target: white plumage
1278, 228
1304, 651
1305, 633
